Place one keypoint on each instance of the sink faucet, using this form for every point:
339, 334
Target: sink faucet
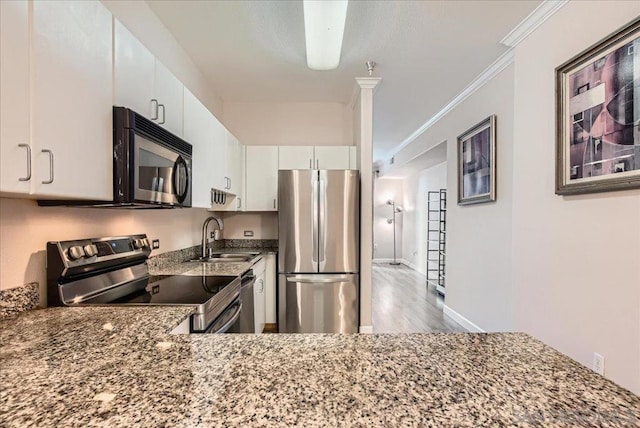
205, 226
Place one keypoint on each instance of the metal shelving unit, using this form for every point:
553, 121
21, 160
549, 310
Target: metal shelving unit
436, 238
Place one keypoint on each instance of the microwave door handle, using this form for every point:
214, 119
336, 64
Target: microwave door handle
180, 163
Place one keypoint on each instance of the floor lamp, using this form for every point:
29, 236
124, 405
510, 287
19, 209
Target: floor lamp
396, 209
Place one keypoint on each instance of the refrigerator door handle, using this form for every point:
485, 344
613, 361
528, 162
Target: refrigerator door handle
314, 209
318, 278
322, 225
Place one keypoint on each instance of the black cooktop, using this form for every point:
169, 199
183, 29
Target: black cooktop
165, 290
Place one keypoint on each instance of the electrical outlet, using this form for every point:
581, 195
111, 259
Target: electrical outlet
248, 233
212, 234
155, 244
598, 363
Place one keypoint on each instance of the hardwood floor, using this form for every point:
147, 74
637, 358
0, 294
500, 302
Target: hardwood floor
403, 304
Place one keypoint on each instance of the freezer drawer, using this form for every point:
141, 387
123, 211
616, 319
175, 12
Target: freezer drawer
318, 303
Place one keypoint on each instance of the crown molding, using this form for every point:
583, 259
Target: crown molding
532, 21
489, 73
368, 82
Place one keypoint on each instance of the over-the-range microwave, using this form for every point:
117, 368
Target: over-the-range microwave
151, 166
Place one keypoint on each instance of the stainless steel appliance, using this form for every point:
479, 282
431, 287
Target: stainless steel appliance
113, 271
151, 166
318, 258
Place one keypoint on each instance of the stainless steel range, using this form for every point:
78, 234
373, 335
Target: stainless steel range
113, 271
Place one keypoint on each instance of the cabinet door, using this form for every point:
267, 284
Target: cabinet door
262, 178
15, 142
233, 167
270, 289
331, 157
134, 71
259, 292
72, 84
169, 93
295, 157
199, 131
218, 164
353, 157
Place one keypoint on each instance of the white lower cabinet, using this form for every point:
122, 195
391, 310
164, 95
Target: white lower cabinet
261, 178
270, 288
259, 293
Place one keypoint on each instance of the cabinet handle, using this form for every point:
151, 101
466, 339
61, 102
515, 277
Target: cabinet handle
50, 166
239, 203
163, 114
155, 109
317, 164
211, 194
28, 177
310, 164
229, 183
274, 203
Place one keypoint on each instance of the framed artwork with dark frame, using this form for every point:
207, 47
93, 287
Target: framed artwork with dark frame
477, 163
598, 116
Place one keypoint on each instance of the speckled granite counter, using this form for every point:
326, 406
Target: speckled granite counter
60, 367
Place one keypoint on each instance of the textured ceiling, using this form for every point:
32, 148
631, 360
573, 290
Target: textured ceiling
427, 52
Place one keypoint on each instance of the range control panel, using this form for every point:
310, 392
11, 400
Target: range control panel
94, 250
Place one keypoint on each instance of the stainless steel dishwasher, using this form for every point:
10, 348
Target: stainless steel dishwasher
245, 323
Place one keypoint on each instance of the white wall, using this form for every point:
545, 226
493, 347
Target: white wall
145, 25
282, 124
414, 230
384, 190
576, 259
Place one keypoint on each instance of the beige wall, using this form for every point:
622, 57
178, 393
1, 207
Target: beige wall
576, 259
264, 225
414, 227
385, 189
282, 124
145, 25
25, 229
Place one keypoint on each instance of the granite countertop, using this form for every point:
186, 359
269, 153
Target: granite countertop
212, 268
113, 367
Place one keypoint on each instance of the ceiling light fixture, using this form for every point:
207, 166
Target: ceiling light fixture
323, 31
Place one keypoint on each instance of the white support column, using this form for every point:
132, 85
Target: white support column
363, 136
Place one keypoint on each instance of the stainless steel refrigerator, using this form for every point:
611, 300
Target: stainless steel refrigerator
318, 254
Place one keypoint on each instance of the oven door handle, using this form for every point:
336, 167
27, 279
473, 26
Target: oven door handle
229, 323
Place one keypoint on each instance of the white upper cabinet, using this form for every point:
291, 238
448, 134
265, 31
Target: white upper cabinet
318, 157
144, 84
72, 95
233, 164
218, 163
331, 157
199, 131
261, 178
169, 93
134, 70
295, 157
15, 139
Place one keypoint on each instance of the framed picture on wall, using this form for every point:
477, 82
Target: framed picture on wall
598, 116
477, 163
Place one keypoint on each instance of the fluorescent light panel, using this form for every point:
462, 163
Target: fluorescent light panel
323, 32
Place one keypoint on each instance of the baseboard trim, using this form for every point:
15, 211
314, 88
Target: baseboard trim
473, 328
366, 329
402, 261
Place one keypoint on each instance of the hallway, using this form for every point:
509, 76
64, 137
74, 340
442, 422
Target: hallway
402, 303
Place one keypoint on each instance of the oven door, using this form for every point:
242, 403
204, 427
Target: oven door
161, 175
227, 322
